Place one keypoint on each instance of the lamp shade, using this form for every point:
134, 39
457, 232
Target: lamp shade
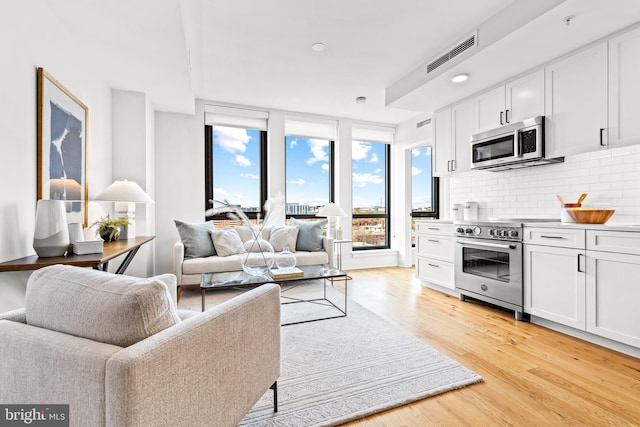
51, 236
331, 209
124, 191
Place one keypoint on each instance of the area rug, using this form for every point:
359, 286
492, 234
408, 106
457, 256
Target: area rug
338, 370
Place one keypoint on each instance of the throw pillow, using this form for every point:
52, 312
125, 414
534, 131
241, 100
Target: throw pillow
196, 238
309, 235
282, 237
246, 233
227, 242
100, 306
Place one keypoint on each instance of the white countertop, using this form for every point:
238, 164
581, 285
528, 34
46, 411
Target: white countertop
608, 227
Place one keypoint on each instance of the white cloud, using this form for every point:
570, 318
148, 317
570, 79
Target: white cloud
242, 160
378, 170
374, 158
415, 152
233, 140
298, 181
219, 193
415, 170
249, 175
325, 167
293, 143
362, 179
318, 149
360, 150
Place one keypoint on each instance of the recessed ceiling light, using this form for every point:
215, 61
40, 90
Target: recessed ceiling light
459, 78
567, 19
361, 99
318, 47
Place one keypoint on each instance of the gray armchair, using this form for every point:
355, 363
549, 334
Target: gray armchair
116, 349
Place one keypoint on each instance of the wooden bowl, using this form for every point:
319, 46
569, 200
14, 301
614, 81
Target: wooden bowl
590, 216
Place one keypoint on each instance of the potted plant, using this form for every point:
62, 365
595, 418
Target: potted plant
109, 228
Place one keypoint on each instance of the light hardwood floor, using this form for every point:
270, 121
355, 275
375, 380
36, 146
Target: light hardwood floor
532, 376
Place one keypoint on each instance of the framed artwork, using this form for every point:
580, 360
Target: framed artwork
62, 147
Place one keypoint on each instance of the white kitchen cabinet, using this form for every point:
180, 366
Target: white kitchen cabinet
517, 100
624, 89
434, 253
453, 128
554, 275
576, 103
613, 288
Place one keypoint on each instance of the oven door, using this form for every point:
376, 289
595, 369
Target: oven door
490, 269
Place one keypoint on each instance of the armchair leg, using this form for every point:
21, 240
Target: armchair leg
274, 387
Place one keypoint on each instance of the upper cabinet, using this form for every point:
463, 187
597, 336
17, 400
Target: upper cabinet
576, 103
453, 129
510, 103
624, 89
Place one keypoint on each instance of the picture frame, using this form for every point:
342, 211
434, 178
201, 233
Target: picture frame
62, 147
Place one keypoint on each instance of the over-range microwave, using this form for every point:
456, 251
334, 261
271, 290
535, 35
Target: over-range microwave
515, 145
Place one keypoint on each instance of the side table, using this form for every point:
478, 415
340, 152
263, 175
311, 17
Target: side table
338, 245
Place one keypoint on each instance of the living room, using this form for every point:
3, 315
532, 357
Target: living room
141, 69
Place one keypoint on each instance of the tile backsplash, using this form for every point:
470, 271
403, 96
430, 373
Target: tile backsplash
610, 177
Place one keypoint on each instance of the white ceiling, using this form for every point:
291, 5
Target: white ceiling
258, 53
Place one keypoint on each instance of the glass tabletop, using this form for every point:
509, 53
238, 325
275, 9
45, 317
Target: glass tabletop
241, 278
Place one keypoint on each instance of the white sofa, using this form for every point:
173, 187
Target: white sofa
119, 353
188, 271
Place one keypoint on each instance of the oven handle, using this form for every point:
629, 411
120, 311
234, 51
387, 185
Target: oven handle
487, 245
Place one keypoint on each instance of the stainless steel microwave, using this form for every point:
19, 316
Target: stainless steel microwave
513, 144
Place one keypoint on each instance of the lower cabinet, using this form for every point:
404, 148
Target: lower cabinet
434, 253
554, 285
591, 285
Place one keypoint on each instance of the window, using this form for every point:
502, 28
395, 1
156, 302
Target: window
370, 194
235, 165
424, 187
309, 175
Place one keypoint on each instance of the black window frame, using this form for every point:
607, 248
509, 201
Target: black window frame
387, 198
208, 168
332, 178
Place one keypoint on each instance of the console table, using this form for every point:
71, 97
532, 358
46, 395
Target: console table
97, 261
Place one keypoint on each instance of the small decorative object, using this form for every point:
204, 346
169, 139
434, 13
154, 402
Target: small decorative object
62, 147
285, 260
51, 235
258, 258
88, 247
109, 228
591, 216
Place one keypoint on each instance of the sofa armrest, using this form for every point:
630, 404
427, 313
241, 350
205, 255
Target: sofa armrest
14, 315
213, 366
327, 244
172, 286
178, 259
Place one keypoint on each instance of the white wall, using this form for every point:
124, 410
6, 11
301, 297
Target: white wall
608, 176
31, 36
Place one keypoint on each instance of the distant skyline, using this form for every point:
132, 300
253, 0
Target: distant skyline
421, 178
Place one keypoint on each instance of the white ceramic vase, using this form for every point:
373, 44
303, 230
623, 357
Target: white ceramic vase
51, 235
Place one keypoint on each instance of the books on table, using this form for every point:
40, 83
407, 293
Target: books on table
286, 273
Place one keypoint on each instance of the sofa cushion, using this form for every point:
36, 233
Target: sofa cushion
284, 237
109, 308
246, 233
227, 242
309, 235
196, 238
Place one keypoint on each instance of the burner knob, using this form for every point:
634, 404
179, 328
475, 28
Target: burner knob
459, 230
477, 231
513, 233
468, 231
492, 232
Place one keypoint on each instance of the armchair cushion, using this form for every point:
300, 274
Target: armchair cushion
109, 308
309, 235
196, 238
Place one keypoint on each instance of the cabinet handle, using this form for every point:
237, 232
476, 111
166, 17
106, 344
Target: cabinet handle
501, 121
579, 270
433, 240
453, 165
601, 138
506, 116
433, 265
433, 228
551, 237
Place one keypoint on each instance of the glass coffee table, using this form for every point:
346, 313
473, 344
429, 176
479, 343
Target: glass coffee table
241, 279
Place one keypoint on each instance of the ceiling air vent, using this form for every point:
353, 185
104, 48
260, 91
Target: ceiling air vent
463, 46
423, 123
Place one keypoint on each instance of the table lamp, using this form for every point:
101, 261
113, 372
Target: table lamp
330, 211
125, 194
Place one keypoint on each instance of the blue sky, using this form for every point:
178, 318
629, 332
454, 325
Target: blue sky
421, 177
236, 169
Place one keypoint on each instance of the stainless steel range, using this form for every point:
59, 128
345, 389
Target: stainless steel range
488, 261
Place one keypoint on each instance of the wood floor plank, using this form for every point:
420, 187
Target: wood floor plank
532, 375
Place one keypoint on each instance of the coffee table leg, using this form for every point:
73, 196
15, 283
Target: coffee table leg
202, 297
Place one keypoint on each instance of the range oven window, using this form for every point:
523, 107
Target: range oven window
486, 263
494, 149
